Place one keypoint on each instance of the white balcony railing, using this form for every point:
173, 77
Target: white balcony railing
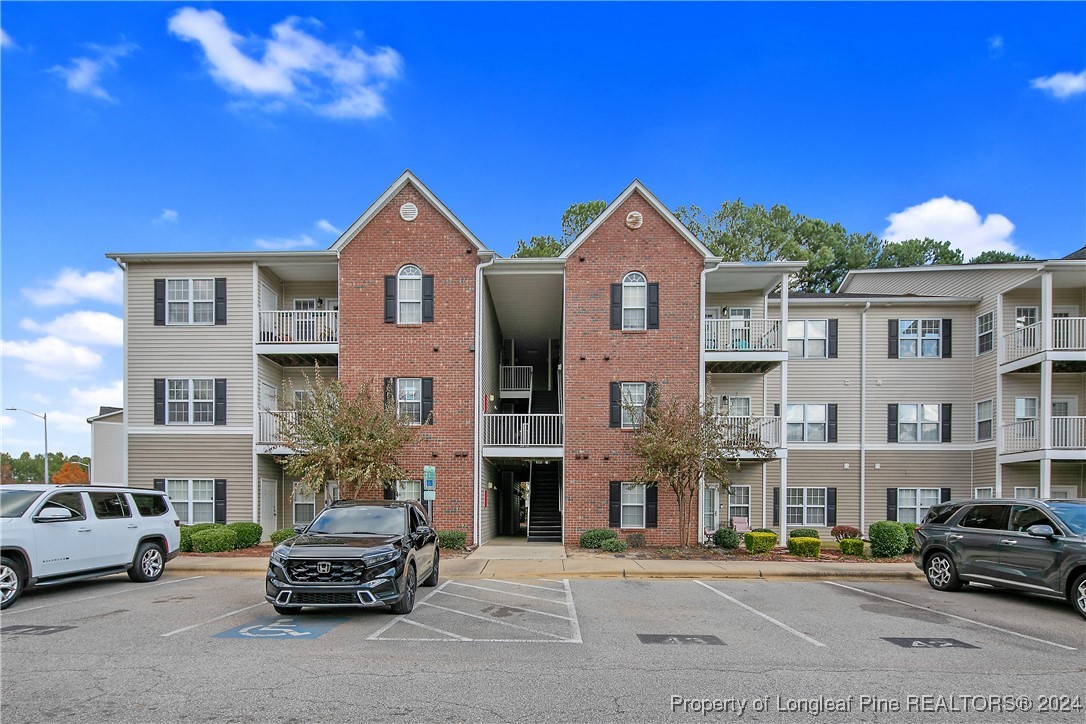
522, 430
1069, 432
515, 379
1022, 342
748, 431
743, 335
270, 425
311, 326
1021, 436
1068, 334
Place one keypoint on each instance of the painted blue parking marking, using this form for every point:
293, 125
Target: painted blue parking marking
288, 628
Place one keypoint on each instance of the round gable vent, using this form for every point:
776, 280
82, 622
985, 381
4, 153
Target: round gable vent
634, 220
409, 212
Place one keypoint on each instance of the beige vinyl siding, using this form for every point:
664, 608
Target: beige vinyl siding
307, 290
218, 351
1070, 473
273, 282
489, 348
197, 456
825, 469
745, 300
742, 385
980, 281
489, 515
301, 378
1028, 474
746, 475
107, 453
1028, 384
984, 466
268, 469
918, 469
1031, 297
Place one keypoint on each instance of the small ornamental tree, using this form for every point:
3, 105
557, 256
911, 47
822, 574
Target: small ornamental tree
681, 441
70, 474
355, 439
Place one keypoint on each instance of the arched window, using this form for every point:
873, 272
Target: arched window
409, 294
634, 301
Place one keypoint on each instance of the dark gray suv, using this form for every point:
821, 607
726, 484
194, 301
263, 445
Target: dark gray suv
1037, 546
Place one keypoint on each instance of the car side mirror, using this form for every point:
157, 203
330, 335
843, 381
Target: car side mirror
299, 528
52, 514
1041, 531
423, 530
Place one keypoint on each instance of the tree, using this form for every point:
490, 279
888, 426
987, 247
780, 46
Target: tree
70, 473
575, 219
999, 257
29, 468
538, 246
916, 252
354, 439
682, 441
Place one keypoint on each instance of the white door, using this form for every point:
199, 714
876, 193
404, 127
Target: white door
269, 304
739, 326
269, 513
1064, 334
304, 322
269, 401
331, 324
1063, 428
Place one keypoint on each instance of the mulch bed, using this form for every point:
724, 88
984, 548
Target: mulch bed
264, 551
738, 554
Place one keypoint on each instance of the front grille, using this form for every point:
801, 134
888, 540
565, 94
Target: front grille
331, 598
339, 572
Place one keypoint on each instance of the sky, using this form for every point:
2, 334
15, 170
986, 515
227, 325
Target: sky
142, 127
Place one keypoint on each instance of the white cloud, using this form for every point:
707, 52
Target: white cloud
52, 357
70, 421
956, 221
283, 244
168, 215
1062, 85
995, 46
6, 42
40, 398
83, 327
90, 399
84, 73
295, 66
6, 421
326, 225
71, 285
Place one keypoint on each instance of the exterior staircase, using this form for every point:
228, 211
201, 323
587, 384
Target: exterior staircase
544, 518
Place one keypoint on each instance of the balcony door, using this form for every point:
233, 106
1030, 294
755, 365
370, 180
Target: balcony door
1063, 335
1064, 430
305, 320
739, 327
269, 302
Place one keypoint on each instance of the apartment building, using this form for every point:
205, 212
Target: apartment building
525, 375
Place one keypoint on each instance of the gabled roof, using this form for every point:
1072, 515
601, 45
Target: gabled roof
655, 203
104, 412
405, 178
1077, 255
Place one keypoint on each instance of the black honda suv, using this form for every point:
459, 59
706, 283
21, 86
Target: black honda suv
360, 553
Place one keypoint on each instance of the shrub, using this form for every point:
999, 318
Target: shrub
594, 537
452, 540
888, 539
804, 546
613, 545
726, 538
186, 539
635, 540
759, 541
762, 530
249, 534
282, 534
852, 547
803, 533
213, 540
197, 527
909, 528
844, 532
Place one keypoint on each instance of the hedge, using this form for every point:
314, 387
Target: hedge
804, 546
909, 528
803, 533
213, 540
452, 540
844, 532
762, 530
852, 547
594, 537
282, 534
197, 527
759, 542
186, 538
613, 545
726, 538
888, 539
249, 534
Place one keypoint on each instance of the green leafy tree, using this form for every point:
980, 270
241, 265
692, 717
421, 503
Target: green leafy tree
29, 468
538, 246
916, 252
575, 219
999, 257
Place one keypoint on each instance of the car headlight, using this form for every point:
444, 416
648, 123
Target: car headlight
279, 555
380, 556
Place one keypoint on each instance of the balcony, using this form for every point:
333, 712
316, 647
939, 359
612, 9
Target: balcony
1068, 434
1068, 337
515, 381
745, 432
307, 336
535, 435
269, 429
743, 345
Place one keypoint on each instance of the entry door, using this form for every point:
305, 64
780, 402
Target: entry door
331, 324
269, 508
1064, 336
269, 306
1063, 431
304, 322
739, 326
269, 402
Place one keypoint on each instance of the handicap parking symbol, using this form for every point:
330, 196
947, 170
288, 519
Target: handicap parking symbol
283, 628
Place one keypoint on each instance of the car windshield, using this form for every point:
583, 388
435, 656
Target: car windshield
13, 503
359, 520
1073, 514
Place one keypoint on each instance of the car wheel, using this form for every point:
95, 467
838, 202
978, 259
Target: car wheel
407, 601
148, 564
286, 610
941, 573
431, 580
1078, 595
12, 580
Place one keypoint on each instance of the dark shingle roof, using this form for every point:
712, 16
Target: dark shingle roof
1078, 255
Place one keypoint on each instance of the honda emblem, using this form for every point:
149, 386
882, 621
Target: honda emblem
323, 567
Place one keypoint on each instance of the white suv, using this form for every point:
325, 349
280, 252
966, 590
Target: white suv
52, 534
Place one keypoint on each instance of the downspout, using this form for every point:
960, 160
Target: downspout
701, 391
863, 416
477, 527
124, 372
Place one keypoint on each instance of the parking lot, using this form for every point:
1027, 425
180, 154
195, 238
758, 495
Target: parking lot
204, 648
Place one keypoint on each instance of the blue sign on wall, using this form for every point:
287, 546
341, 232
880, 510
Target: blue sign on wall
288, 628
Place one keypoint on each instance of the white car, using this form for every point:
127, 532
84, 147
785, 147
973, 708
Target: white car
51, 534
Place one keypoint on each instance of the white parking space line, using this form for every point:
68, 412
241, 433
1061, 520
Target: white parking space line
212, 620
127, 589
509, 593
573, 611
435, 629
515, 608
953, 616
756, 612
529, 585
492, 620
396, 619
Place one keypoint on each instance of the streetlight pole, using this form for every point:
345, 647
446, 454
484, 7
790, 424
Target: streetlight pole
44, 417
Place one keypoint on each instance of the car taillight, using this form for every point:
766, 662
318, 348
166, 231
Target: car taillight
177, 522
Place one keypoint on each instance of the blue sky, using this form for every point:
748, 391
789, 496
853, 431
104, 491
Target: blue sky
233, 126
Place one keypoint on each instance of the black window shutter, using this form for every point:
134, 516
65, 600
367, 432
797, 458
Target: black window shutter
831, 423
614, 518
776, 506
651, 496
616, 306
428, 298
160, 484
891, 351
945, 419
160, 401
220, 401
427, 400
390, 492
390, 391
831, 507
831, 339
616, 404
777, 409
390, 300
891, 504
220, 500
160, 302
220, 300
891, 423
652, 395
946, 337
944, 494
654, 306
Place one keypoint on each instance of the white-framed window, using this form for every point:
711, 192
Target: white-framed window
807, 338
634, 395
806, 423
913, 503
984, 420
408, 490
190, 301
733, 406
1026, 411
806, 506
1027, 492
409, 294
193, 499
634, 301
633, 505
409, 399
920, 337
739, 502
986, 493
305, 505
190, 401
919, 423
710, 518
985, 333
1024, 317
